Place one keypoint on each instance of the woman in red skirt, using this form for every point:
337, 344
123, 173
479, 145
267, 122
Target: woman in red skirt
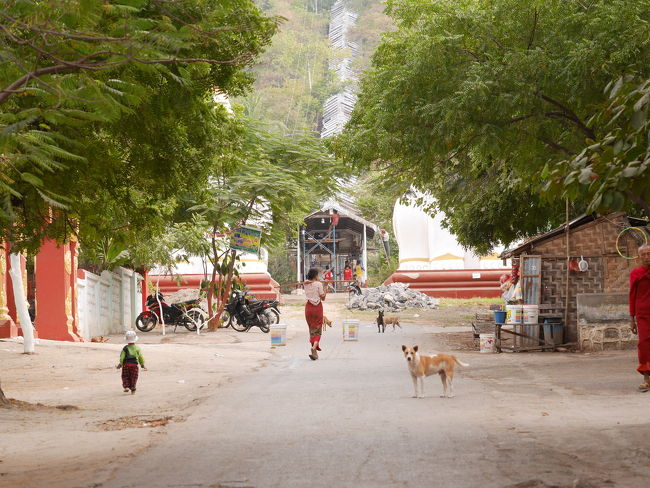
315, 295
640, 313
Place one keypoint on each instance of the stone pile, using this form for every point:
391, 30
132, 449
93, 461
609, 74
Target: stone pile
391, 298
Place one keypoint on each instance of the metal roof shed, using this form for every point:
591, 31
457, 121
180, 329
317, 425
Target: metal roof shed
326, 246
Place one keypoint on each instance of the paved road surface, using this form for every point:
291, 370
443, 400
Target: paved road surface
348, 420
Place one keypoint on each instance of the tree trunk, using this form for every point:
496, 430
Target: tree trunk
3, 398
21, 303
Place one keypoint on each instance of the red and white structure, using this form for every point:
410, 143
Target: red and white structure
56, 293
253, 271
433, 262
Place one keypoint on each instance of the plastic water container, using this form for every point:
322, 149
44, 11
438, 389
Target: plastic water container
531, 314
279, 335
553, 333
514, 314
487, 343
500, 316
350, 330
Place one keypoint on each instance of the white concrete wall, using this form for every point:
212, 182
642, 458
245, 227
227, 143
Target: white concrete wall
110, 303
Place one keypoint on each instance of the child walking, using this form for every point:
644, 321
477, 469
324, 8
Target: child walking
130, 357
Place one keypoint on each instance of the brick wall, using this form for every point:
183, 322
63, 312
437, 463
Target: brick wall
554, 287
607, 273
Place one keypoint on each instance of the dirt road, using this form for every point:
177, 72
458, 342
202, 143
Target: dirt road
348, 420
85, 422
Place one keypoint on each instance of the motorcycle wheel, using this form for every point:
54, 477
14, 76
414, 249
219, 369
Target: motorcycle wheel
276, 316
197, 318
225, 320
265, 328
238, 326
147, 323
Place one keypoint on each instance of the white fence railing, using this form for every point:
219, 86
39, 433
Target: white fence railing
108, 303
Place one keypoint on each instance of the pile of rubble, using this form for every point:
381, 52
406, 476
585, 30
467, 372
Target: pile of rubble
391, 298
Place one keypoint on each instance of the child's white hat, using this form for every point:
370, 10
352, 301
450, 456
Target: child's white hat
130, 336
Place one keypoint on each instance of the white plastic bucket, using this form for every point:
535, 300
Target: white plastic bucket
350, 330
514, 314
531, 314
487, 343
278, 335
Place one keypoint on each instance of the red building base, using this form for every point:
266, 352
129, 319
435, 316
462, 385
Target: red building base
453, 283
260, 285
56, 292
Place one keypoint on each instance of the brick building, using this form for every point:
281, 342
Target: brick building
597, 297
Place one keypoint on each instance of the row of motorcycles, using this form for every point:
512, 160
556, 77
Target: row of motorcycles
241, 313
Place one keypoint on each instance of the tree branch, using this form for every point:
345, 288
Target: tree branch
472, 54
532, 32
639, 201
569, 114
555, 145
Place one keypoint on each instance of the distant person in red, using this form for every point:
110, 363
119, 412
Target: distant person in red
335, 218
328, 277
347, 273
640, 312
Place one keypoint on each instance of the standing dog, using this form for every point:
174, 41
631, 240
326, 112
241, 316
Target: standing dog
326, 323
421, 366
382, 322
393, 320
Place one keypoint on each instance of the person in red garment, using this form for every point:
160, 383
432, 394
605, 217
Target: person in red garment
328, 276
640, 312
315, 294
347, 273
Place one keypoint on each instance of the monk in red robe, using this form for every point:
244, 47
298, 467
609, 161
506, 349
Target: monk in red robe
640, 313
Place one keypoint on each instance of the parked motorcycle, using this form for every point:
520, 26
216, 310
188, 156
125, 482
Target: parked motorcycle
188, 314
242, 313
354, 289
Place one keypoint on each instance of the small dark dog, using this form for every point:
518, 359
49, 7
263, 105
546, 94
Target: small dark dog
382, 322
381, 326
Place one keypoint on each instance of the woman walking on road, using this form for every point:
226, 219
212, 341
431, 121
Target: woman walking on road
315, 295
640, 313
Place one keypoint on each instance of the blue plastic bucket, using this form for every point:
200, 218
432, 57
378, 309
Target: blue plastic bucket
500, 316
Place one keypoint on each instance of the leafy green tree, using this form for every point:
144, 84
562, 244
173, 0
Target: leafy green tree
97, 74
293, 78
469, 101
267, 180
613, 172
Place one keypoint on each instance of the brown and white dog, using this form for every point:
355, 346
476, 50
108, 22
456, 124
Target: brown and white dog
421, 366
326, 323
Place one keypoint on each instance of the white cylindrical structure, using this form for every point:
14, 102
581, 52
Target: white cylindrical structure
444, 250
22, 308
425, 244
411, 227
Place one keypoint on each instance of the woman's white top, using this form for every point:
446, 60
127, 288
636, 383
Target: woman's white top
313, 291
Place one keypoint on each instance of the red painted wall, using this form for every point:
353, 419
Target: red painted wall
453, 283
260, 285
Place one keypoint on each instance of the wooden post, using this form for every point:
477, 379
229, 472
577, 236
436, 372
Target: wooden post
298, 253
364, 256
